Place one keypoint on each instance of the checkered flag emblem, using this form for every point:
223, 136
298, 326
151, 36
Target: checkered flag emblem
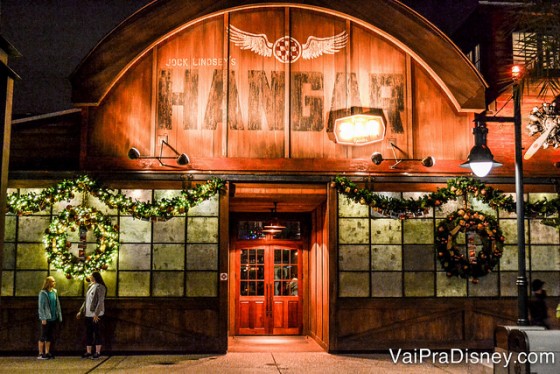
287, 49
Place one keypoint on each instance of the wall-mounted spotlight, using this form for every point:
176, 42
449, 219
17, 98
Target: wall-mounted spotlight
181, 159
377, 158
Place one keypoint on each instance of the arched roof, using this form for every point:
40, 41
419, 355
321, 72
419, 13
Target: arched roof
427, 45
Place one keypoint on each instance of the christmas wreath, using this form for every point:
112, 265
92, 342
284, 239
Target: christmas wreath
464, 260
58, 246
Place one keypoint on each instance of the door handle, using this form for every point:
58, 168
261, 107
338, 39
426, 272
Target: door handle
269, 288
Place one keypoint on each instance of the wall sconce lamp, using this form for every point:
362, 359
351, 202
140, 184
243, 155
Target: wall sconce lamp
363, 126
377, 158
181, 159
480, 159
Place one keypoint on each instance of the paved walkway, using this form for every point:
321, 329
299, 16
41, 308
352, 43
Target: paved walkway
245, 355
235, 362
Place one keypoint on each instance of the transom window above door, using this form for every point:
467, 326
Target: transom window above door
255, 230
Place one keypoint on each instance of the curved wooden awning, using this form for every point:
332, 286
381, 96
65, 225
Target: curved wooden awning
426, 44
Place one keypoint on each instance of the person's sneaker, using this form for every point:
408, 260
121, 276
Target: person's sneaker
42, 357
86, 355
95, 356
49, 356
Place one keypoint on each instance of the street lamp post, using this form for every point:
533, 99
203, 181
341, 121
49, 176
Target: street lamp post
521, 282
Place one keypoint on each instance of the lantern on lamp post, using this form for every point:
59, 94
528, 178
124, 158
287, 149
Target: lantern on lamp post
482, 153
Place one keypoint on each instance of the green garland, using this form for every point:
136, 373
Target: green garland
474, 264
462, 187
56, 239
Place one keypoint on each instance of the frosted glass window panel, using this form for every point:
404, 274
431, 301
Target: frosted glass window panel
202, 230
202, 284
110, 279
29, 283
135, 230
419, 257
61, 205
450, 286
166, 194
9, 261
169, 257
386, 231
353, 257
384, 284
545, 257
386, 257
508, 285
7, 283
138, 195
418, 284
543, 234
446, 209
509, 229
67, 287
418, 231
353, 231
480, 206
487, 286
168, 283
134, 283
349, 208
171, 231
32, 228
508, 261
100, 206
31, 256
134, 257
208, 208
353, 284
202, 257
10, 228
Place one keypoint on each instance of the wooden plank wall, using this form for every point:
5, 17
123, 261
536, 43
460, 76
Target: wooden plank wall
317, 306
139, 325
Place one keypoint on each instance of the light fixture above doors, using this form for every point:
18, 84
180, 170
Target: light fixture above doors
274, 226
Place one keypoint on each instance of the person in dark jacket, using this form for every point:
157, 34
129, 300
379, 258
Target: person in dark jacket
50, 313
93, 309
537, 305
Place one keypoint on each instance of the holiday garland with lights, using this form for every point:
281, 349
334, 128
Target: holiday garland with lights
56, 240
471, 264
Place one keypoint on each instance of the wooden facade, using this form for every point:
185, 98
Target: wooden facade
239, 87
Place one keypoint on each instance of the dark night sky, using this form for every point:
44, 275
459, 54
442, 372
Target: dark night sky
54, 36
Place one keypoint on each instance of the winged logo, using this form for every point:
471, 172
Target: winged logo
287, 49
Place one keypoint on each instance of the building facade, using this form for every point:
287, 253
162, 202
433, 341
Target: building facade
252, 93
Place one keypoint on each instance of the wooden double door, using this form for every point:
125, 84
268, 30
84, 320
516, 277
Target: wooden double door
269, 300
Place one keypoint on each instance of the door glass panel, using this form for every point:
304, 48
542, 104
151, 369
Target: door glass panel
285, 272
252, 272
